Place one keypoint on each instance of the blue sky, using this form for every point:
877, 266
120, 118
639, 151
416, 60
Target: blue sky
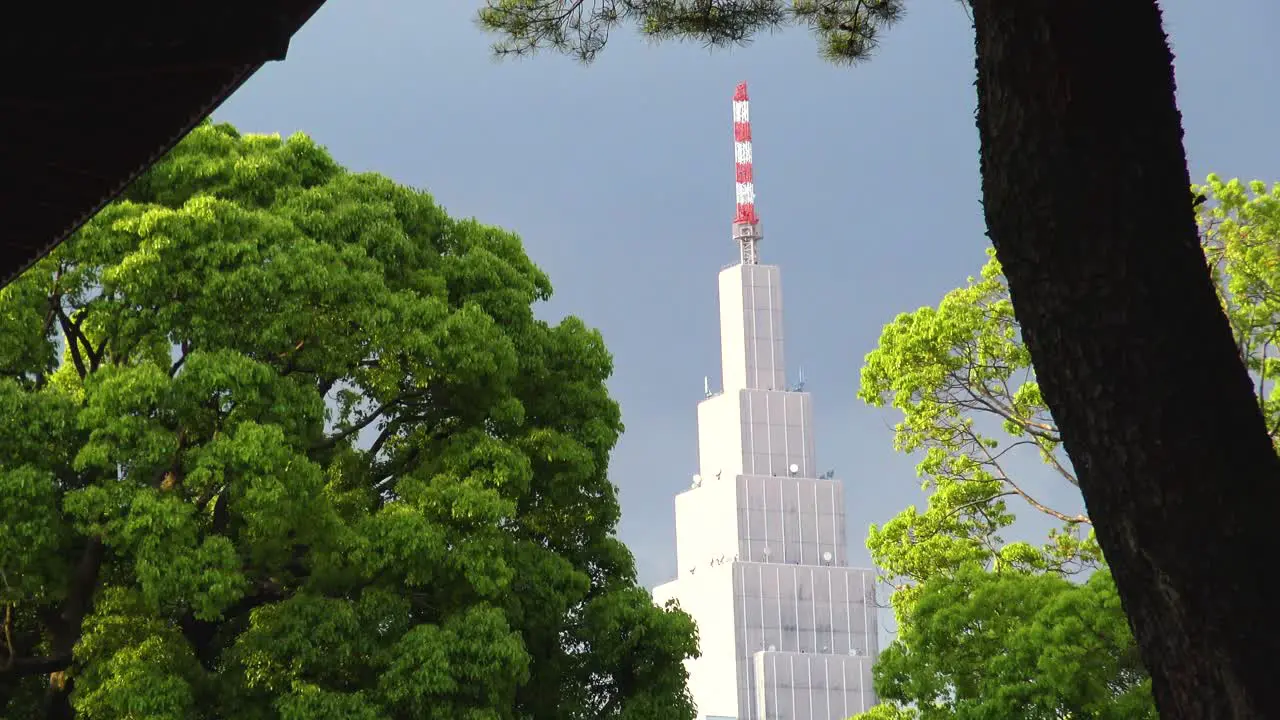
619, 177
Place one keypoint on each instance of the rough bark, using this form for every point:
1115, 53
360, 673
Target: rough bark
1087, 202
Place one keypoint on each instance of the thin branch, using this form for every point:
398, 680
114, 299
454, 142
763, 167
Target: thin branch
8, 638
363, 423
1262, 375
993, 404
387, 433
1004, 477
41, 665
956, 511
1013, 445
1062, 470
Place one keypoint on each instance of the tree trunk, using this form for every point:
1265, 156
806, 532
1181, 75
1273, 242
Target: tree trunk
1087, 202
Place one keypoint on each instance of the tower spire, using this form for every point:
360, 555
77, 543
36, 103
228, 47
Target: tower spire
746, 224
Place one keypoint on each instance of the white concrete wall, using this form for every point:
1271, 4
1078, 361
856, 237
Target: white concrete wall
713, 677
719, 447
706, 527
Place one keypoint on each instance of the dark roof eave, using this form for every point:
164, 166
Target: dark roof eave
72, 162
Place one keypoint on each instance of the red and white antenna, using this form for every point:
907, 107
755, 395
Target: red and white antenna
746, 224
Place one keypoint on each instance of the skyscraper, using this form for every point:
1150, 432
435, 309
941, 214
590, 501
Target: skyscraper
787, 628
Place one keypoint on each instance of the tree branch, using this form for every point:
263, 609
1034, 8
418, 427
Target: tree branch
1004, 477
66, 625
73, 342
363, 423
182, 359
41, 665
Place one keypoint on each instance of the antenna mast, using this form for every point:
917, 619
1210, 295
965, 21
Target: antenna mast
746, 224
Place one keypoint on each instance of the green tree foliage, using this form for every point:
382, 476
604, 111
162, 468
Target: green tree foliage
281, 441
1015, 645
848, 30
962, 381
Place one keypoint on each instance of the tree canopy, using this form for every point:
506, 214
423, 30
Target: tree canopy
285, 441
961, 378
1016, 645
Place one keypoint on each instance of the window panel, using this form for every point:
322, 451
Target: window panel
761, 464
787, 582
779, 442
827, 529
755, 493
841, 643
835, 679
759, 439
772, 637
822, 588
826, 499
803, 707
794, 413
772, 613
840, 621
787, 496
808, 498
791, 528
769, 581
753, 613
806, 609
809, 553
858, 640
807, 642
773, 525
762, 296
839, 590
793, 552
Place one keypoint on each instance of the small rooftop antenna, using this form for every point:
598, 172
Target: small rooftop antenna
706, 386
746, 224
799, 386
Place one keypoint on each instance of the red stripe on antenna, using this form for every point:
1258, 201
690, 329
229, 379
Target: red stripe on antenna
740, 92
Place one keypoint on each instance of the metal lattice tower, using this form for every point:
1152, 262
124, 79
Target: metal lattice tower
746, 224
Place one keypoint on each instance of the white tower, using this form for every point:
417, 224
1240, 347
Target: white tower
787, 628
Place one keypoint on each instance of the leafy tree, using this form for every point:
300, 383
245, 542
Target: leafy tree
284, 441
962, 379
1015, 645
1084, 179
1240, 233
